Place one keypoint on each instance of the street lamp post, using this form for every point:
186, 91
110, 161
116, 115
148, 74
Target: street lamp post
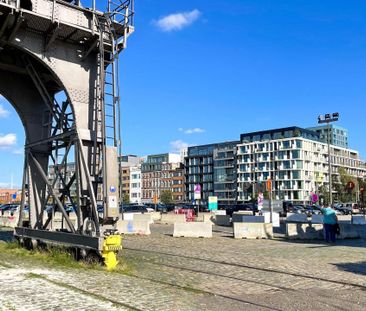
329, 118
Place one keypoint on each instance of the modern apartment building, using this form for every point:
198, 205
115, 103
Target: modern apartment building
157, 175
225, 173
200, 169
295, 159
338, 135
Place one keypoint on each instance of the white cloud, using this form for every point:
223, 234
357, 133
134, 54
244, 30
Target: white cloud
8, 140
180, 129
177, 145
3, 112
177, 21
195, 130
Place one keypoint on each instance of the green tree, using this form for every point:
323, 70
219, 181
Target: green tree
166, 197
126, 198
343, 193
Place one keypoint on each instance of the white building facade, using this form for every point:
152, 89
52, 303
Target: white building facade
135, 185
294, 159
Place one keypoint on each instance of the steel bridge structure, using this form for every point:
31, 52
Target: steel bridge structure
59, 69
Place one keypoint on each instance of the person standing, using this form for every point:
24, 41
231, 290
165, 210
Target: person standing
330, 222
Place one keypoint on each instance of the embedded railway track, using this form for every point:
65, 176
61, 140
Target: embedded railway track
243, 266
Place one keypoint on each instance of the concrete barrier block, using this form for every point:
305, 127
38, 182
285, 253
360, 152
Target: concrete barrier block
193, 230
304, 231
317, 219
275, 219
239, 217
209, 217
358, 220
297, 218
223, 220
133, 227
10, 221
172, 218
128, 216
348, 231
247, 213
345, 218
143, 217
199, 218
220, 212
156, 216
252, 230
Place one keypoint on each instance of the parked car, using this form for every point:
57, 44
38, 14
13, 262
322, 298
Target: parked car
312, 210
230, 209
296, 209
343, 209
164, 208
68, 208
9, 207
132, 208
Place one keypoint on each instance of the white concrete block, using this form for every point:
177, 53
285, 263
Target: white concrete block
133, 227
172, 218
275, 219
10, 221
193, 230
223, 220
143, 217
358, 219
220, 212
239, 217
209, 217
304, 231
317, 219
297, 218
129, 216
253, 230
156, 216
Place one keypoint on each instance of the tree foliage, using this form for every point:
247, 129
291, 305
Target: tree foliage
126, 198
166, 197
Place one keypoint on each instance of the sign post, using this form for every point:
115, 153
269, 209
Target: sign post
350, 187
212, 204
269, 189
197, 196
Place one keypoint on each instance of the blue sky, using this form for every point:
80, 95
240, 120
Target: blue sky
198, 72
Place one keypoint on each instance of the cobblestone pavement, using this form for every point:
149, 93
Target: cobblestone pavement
197, 274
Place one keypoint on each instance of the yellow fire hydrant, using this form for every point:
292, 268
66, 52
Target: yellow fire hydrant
111, 246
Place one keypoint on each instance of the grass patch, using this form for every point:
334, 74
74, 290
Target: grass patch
52, 255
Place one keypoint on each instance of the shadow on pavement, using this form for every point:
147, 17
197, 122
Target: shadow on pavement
354, 267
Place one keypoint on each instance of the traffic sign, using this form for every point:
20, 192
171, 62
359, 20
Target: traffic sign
212, 203
197, 192
260, 199
155, 199
314, 198
351, 185
269, 184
